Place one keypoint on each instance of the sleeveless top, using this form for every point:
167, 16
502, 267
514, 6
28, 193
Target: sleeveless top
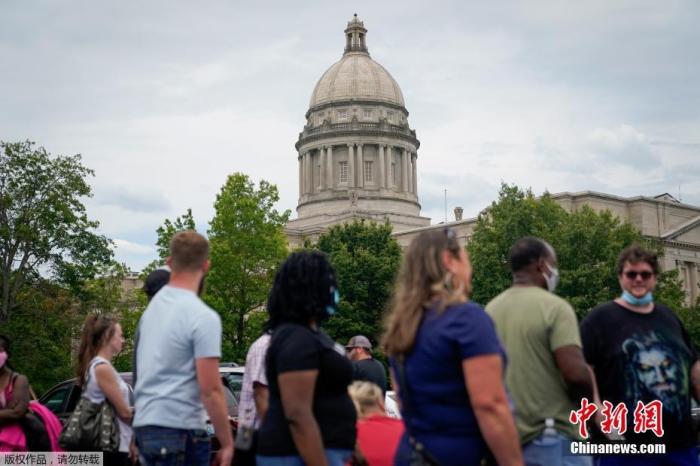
94, 393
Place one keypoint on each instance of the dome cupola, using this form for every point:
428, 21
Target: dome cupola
357, 154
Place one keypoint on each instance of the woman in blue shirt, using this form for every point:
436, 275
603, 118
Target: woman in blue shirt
446, 361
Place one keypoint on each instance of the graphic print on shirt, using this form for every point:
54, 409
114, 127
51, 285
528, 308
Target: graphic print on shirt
656, 370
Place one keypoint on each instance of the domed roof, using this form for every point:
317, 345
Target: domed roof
356, 76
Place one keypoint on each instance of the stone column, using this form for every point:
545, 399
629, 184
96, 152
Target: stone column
322, 168
382, 167
300, 159
360, 168
404, 170
409, 172
351, 165
303, 173
309, 174
414, 159
387, 158
329, 168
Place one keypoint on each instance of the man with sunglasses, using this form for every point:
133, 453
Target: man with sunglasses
640, 351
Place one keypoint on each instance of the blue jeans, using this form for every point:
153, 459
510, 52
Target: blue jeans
334, 456
165, 446
550, 450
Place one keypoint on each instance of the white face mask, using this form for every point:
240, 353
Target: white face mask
552, 279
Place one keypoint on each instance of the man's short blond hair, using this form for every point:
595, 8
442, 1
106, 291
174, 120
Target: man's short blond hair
188, 251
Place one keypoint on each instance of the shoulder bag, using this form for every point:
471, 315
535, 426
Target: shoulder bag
91, 427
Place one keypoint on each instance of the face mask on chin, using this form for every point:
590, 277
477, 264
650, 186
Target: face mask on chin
629, 298
552, 279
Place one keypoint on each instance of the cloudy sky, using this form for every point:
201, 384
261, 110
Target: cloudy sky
165, 98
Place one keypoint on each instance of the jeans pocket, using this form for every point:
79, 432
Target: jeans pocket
199, 449
161, 446
547, 441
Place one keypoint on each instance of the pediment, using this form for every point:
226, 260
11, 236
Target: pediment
687, 232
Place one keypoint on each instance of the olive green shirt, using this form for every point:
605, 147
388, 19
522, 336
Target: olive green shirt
531, 323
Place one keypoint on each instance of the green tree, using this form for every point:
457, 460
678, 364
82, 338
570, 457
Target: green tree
515, 214
43, 328
587, 245
247, 244
165, 234
43, 222
366, 259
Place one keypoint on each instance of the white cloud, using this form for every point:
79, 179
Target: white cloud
165, 99
129, 198
624, 145
129, 247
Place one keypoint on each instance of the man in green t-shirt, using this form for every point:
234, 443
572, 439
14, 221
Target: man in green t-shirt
546, 374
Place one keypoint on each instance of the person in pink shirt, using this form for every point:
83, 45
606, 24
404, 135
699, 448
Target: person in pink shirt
378, 435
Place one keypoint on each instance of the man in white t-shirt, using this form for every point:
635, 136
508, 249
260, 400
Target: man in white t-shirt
178, 354
254, 398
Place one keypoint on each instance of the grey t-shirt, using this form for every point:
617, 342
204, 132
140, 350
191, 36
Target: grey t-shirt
176, 329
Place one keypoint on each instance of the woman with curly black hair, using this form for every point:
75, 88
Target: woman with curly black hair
311, 418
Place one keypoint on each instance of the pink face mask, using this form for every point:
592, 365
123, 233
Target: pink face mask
3, 358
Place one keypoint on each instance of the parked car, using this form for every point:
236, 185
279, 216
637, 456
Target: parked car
63, 398
233, 373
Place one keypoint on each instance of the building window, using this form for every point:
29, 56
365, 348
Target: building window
318, 174
342, 115
390, 116
343, 170
368, 172
367, 114
394, 174
320, 118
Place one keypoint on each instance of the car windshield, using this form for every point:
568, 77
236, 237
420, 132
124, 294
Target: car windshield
235, 381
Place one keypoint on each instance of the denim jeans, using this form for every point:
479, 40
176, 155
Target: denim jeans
553, 450
335, 457
165, 446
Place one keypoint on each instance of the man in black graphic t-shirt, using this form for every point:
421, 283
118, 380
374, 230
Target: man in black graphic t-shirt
359, 350
640, 351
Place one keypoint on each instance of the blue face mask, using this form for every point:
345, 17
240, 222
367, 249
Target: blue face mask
330, 310
629, 298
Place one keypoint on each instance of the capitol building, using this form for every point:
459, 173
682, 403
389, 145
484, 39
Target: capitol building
358, 159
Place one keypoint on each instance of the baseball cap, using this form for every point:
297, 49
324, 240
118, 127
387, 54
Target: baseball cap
359, 341
156, 280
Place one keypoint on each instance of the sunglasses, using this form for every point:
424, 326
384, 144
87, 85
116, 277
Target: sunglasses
631, 274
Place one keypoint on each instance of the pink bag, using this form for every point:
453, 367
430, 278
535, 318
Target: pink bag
12, 439
51, 423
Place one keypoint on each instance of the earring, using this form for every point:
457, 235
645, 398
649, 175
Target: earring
448, 282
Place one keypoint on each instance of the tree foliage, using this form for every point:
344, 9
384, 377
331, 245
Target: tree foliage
587, 245
168, 229
165, 234
247, 245
366, 259
42, 330
43, 222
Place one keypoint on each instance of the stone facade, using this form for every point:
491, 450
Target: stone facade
357, 154
358, 158
675, 224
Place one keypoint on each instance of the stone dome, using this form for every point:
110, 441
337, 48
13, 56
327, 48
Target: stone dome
356, 77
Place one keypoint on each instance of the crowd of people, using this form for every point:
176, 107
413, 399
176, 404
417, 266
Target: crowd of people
477, 386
